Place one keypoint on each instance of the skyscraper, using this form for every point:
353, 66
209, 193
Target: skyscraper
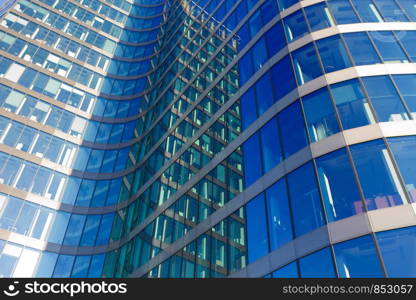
210, 138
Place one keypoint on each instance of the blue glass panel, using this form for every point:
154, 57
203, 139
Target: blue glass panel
385, 99
275, 39
390, 11
270, 145
387, 45
352, 105
305, 200
333, 54
289, 271
343, 12
292, 129
252, 160
357, 258
339, 189
264, 94
64, 266
377, 176
295, 26
408, 40
317, 265
403, 149
367, 10
46, 264
409, 8
248, 108
318, 16
320, 115
306, 64
256, 228
361, 48
406, 85
283, 84
278, 215
398, 250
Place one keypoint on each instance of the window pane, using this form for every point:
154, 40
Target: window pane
357, 258
388, 47
292, 129
289, 271
339, 189
333, 54
385, 99
295, 26
408, 40
361, 48
390, 11
256, 229
305, 200
398, 248
367, 10
319, 16
342, 11
278, 215
378, 178
317, 265
306, 64
352, 105
320, 115
403, 149
407, 89
252, 160
270, 145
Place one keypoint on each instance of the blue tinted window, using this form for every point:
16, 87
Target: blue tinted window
248, 108
390, 11
252, 160
305, 200
264, 93
408, 40
256, 229
306, 64
259, 52
352, 105
342, 11
367, 10
318, 16
255, 23
398, 248
278, 215
270, 145
333, 54
377, 176
409, 7
292, 129
295, 26
245, 66
403, 149
388, 46
289, 271
275, 39
361, 48
407, 89
317, 265
46, 264
320, 115
357, 258
339, 189
283, 4
283, 84
385, 99
63, 266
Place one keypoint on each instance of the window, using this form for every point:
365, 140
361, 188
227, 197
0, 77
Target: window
388, 46
361, 48
342, 11
353, 107
357, 258
278, 215
275, 39
305, 200
289, 271
406, 85
408, 40
333, 54
397, 250
320, 115
403, 149
367, 10
317, 265
295, 26
377, 176
339, 189
283, 84
409, 7
319, 16
256, 229
390, 11
292, 128
270, 145
252, 160
385, 99
306, 64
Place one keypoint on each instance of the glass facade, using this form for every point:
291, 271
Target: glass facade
129, 127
